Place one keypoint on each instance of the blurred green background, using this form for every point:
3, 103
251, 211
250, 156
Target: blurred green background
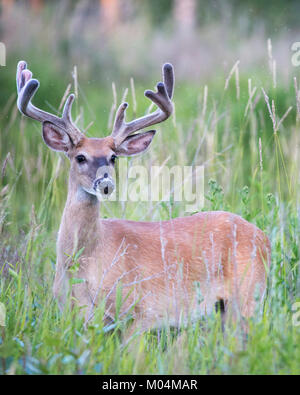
109, 42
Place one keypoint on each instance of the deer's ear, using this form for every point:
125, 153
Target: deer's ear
56, 138
135, 144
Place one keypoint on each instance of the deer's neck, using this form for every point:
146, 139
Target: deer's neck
80, 223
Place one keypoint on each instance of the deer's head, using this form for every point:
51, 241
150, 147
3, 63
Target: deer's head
92, 159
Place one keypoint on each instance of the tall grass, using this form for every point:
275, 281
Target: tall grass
253, 158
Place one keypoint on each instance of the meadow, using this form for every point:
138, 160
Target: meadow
242, 125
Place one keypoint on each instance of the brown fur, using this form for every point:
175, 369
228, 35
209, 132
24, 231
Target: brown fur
160, 263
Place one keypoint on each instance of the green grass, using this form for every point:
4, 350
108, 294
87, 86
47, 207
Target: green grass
261, 185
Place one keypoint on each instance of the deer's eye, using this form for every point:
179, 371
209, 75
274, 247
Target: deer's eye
81, 158
113, 158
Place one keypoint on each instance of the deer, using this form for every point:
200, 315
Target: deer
157, 266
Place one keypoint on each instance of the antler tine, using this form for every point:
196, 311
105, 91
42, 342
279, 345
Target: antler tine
162, 98
67, 114
169, 78
26, 88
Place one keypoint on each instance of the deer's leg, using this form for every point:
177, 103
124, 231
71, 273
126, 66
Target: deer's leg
222, 306
60, 287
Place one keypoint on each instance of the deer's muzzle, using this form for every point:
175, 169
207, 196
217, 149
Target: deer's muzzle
104, 185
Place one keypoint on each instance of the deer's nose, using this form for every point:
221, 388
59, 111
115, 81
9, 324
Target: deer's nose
104, 185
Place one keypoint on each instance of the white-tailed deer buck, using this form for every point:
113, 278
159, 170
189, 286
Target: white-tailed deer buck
160, 265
